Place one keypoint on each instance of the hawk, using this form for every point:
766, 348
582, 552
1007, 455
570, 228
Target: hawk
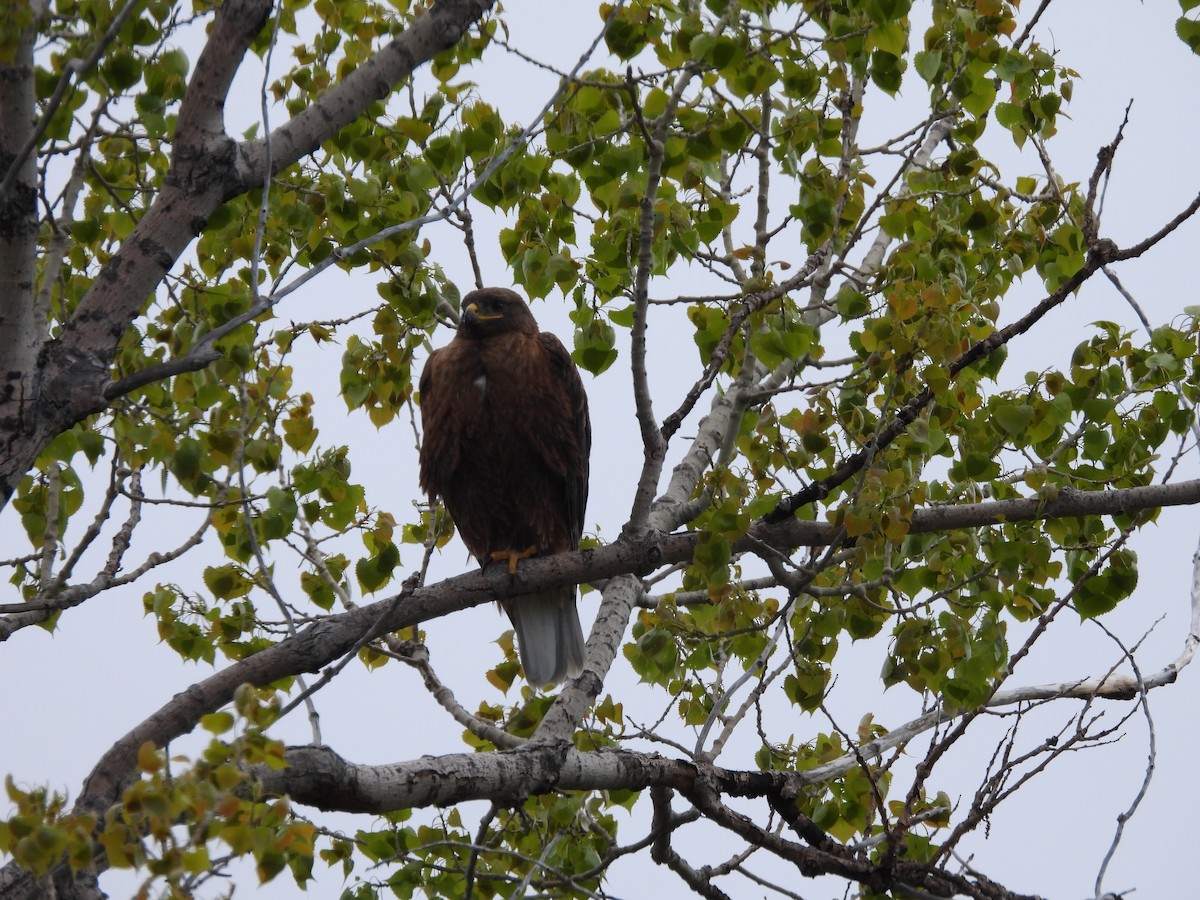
506, 444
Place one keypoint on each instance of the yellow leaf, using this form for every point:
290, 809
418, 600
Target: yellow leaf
147, 758
856, 525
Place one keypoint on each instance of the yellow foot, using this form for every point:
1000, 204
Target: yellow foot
513, 557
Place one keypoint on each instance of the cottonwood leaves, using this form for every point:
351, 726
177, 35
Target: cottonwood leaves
725, 137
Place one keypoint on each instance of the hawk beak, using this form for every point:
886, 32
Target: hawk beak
472, 314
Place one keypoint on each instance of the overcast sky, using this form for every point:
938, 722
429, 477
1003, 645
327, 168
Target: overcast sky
70, 695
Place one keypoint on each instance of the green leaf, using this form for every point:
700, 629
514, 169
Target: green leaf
122, 70
217, 723
376, 571
980, 97
891, 37
928, 63
1013, 418
624, 317
227, 582
595, 342
1188, 31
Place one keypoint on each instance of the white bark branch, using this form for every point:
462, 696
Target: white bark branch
323, 642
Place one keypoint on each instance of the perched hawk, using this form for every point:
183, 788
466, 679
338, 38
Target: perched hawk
506, 445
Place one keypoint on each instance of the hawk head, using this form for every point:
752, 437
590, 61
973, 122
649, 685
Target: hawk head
492, 311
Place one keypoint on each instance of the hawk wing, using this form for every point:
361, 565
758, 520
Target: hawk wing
573, 412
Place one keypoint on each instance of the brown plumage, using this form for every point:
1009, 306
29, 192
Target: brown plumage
506, 444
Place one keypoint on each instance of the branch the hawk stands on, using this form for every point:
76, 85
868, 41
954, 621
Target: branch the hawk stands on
861, 405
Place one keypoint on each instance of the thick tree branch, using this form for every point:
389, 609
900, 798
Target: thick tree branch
207, 168
1069, 502
326, 641
621, 595
317, 776
441, 27
20, 332
72, 69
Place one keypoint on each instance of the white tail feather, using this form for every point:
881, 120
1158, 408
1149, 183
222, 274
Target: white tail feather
549, 636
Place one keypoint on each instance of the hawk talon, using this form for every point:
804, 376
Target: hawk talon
513, 556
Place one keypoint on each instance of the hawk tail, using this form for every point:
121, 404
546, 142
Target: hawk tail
549, 636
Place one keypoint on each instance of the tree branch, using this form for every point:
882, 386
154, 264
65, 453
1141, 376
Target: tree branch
327, 640
1097, 258
207, 168
317, 776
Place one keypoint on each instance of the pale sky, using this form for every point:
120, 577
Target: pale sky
72, 694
